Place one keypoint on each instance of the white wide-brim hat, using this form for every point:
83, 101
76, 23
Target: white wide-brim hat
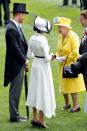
42, 24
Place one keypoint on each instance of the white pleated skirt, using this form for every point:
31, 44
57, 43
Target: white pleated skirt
41, 90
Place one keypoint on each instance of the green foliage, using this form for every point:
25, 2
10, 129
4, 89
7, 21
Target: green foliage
64, 121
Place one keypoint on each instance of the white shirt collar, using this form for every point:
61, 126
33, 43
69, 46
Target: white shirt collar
86, 29
16, 23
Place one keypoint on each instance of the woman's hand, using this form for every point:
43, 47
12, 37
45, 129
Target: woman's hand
53, 57
60, 59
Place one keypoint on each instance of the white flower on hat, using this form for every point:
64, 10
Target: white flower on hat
62, 21
56, 20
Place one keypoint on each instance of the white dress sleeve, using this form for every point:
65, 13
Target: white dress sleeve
29, 52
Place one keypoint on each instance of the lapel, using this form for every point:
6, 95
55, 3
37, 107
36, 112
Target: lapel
15, 27
83, 45
23, 39
84, 38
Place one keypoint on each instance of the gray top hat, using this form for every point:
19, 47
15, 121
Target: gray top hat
19, 7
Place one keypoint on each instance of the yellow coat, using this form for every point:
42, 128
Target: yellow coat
69, 47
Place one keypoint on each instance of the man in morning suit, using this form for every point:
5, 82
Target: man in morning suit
15, 62
83, 45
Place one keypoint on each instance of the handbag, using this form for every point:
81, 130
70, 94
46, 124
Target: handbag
68, 73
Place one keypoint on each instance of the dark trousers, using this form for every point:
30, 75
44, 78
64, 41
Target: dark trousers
14, 95
6, 11
74, 2
85, 4
65, 2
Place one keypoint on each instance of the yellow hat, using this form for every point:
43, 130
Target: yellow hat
62, 21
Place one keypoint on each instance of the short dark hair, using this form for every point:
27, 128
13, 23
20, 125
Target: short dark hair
37, 30
84, 13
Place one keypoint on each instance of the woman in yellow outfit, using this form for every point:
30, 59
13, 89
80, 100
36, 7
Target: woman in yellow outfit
67, 52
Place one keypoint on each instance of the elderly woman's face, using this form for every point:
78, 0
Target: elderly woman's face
83, 21
63, 30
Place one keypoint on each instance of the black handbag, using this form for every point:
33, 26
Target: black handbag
68, 73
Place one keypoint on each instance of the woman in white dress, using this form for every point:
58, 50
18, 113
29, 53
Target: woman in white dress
41, 90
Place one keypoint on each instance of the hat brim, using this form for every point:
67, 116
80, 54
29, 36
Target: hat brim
64, 25
19, 12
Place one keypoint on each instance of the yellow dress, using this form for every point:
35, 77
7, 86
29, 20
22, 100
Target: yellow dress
69, 47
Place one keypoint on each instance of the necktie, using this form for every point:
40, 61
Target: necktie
21, 34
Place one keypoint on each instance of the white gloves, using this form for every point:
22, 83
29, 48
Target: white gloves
61, 59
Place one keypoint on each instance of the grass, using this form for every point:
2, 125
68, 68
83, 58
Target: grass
64, 121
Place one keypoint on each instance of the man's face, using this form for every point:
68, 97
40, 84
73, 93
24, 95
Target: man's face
21, 17
83, 21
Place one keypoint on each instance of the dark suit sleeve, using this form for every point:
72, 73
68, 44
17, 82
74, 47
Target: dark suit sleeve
8, 1
13, 45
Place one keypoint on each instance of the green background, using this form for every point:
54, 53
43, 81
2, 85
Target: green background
63, 121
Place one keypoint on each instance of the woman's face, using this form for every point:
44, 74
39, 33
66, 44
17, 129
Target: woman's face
83, 21
63, 30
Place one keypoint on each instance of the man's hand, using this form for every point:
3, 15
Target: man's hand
26, 62
79, 57
26, 65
